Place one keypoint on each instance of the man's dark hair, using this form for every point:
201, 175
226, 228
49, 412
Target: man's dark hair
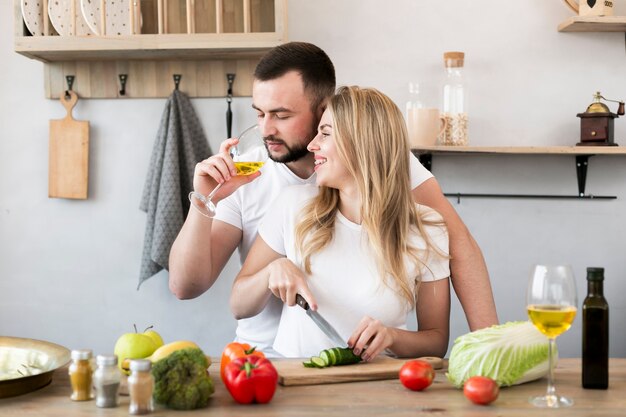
315, 68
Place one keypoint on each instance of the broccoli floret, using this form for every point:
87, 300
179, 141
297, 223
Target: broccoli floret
182, 381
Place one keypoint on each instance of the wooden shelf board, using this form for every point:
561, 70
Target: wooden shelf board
594, 24
524, 150
171, 46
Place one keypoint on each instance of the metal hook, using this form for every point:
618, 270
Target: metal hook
229, 98
123, 78
177, 78
70, 82
231, 79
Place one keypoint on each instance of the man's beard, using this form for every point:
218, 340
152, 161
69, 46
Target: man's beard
293, 154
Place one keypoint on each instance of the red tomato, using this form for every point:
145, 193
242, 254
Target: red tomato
481, 390
416, 375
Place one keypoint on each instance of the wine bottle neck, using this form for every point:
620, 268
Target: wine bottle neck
595, 287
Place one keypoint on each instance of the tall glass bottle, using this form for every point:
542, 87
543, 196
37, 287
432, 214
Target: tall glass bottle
454, 105
595, 373
413, 107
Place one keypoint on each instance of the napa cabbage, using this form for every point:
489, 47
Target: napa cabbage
510, 353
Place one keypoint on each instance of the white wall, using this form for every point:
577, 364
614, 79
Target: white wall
68, 269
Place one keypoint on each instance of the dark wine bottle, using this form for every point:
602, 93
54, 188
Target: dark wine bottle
595, 332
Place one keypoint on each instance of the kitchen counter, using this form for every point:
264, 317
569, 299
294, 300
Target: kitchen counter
375, 398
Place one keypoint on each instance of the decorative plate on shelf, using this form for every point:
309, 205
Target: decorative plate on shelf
117, 16
60, 12
32, 11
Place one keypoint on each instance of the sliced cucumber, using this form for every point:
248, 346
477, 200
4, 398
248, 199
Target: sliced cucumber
318, 362
347, 357
325, 356
332, 357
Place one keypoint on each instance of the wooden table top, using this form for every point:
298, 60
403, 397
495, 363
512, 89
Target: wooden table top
374, 398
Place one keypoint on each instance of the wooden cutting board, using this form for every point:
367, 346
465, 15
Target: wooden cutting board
292, 372
69, 154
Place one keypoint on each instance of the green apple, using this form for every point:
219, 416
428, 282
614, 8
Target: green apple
133, 346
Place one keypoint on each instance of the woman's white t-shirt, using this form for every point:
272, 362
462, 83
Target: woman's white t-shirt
344, 279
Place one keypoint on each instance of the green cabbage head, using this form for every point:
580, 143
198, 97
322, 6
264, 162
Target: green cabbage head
510, 353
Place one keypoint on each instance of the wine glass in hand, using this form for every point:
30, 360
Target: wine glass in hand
249, 155
551, 301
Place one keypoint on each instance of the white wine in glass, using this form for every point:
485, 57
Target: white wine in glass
249, 156
551, 304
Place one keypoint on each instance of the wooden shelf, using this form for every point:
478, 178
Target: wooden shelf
137, 47
581, 154
203, 45
525, 150
594, 24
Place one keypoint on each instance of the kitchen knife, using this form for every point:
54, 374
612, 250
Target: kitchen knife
324, 326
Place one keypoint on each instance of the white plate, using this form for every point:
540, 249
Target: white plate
117, 16
32, 11
60, 12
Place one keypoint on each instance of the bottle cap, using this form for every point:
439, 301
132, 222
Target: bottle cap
453, 59
106, 360
81, 354
595, 274
140, 365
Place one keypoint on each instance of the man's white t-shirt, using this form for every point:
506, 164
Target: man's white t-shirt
344, 278
244, 209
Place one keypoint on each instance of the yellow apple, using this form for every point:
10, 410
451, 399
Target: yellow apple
158, 340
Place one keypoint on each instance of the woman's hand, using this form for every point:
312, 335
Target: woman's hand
370, 338
286, 280
219, 169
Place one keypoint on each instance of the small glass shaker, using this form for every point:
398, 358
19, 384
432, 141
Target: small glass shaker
80, 375
106, 380
140, 387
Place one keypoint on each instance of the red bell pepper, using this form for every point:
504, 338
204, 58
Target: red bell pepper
236, 350
251, 379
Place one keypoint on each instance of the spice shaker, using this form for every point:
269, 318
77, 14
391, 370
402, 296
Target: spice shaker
140, 387
80, 375
106, 380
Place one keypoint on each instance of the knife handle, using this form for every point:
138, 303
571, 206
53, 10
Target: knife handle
302, 302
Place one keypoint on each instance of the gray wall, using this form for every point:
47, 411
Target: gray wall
68, 269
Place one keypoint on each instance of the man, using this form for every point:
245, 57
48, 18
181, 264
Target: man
291, 84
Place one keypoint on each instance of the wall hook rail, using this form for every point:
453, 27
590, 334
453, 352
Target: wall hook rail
123, 78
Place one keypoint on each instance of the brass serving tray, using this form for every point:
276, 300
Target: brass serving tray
28, 364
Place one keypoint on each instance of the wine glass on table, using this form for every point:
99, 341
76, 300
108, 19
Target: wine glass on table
249, 156
551, 301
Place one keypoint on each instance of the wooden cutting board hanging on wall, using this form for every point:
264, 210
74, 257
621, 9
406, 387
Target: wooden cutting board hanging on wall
69, 154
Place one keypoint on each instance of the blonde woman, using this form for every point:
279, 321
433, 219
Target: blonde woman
356, 246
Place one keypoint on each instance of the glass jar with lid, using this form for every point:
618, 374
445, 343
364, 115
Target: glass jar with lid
454, 104
140, 387
106, 380
80, 372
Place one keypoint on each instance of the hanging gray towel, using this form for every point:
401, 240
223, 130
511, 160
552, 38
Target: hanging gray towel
179, 145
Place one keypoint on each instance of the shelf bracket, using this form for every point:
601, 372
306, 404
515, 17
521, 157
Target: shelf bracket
582, 162
426, 159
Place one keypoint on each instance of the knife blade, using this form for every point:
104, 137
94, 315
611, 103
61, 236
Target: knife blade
323, 325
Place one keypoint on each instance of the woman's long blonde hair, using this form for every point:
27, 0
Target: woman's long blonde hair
371, 139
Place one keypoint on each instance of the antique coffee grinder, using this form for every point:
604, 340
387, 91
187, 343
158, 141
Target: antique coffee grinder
596, 123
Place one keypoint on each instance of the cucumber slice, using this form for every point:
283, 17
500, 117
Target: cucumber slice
325, 356
309, 364
333, 356
318, 362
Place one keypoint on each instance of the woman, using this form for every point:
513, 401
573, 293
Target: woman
355, 246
